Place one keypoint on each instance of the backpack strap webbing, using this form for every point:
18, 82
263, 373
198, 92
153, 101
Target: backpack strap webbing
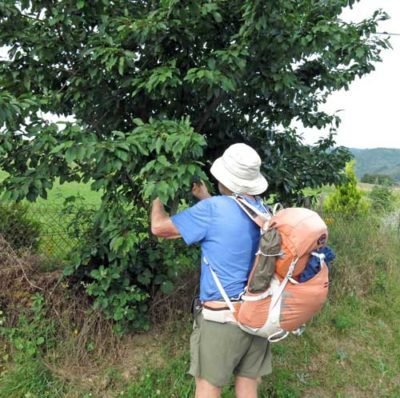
220, 287
255, 214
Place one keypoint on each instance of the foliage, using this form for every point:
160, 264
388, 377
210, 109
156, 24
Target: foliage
382, 198
380, 179
33, 331
121, 266
17, 228
30, 338
154, 89
347, 199
237, 73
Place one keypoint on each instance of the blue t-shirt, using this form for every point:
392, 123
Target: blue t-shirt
229, 240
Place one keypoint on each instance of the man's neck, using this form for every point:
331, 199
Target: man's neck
229, 193
252, 197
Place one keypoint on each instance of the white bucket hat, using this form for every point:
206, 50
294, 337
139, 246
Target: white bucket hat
238, 169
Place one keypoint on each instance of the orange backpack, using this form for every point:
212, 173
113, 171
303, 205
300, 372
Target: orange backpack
274, 303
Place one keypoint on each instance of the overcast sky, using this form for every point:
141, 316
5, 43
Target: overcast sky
371, 107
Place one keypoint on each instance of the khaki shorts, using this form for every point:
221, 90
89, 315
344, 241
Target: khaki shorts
220, 350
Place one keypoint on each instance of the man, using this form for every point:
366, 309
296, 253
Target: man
229, 241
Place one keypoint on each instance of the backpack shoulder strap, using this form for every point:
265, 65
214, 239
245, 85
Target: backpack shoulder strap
260, 219
255, 214
219, 286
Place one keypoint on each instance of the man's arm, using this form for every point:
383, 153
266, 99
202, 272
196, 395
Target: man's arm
161, 224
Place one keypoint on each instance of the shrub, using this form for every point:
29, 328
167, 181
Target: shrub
17, 228
382, 198
122, 267
347, 199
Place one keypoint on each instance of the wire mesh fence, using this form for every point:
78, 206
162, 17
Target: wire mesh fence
54, 232
49, 231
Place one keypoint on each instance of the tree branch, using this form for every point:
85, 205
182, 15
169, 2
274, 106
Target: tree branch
210, 109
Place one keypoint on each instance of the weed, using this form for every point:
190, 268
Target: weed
343, 320
30, 378
17, 227
32, 332
29, 338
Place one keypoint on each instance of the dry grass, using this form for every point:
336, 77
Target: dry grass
89, 354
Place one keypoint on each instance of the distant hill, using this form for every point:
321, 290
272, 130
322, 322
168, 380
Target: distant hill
385, 161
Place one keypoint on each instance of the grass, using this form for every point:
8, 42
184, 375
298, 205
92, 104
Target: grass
60, 192
31, 379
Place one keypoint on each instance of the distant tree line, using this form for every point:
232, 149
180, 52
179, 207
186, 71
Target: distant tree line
378, 179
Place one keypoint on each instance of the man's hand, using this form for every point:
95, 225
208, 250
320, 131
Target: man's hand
200, 191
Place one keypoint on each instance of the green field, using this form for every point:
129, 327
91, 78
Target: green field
56, 243
60, 192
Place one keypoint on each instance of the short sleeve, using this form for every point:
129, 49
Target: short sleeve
193, 223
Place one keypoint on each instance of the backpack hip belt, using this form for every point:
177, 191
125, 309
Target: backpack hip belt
218, 311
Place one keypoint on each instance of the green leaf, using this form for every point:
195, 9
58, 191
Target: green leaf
159, 144
162, 160
145, 277
360, 52
121, 65
167, 287
217, 17
40, 340
138, 122
117, 243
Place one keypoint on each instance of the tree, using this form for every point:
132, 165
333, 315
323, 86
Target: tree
234, 71
158, 89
